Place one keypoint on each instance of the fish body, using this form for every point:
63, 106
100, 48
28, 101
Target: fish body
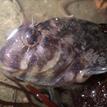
55, 52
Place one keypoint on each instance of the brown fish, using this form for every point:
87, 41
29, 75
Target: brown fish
55, 52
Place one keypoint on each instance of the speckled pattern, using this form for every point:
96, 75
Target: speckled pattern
15, 12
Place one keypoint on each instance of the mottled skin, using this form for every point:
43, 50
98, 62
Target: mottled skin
55, 52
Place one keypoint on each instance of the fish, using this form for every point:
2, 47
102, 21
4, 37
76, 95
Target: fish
55, 52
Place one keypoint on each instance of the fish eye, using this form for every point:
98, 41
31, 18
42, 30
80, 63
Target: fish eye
30, 38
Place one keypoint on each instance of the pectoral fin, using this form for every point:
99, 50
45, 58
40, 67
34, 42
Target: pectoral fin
86, 73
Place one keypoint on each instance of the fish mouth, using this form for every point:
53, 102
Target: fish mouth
7, 69
11, 72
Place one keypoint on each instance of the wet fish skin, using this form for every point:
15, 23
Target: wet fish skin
55, 52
